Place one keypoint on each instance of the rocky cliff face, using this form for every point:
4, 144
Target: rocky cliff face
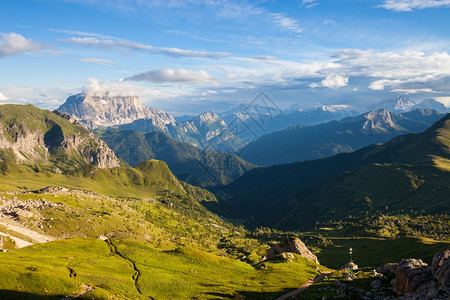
105, 111
42, 137
381, 119
416, 280
206, 131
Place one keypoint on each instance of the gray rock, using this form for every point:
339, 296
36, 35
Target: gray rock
292, 245
411, 276
376, 285
441, 267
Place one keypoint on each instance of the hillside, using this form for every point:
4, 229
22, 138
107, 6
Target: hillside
408, 173
120, 232
327, 139
189, 163
32, 136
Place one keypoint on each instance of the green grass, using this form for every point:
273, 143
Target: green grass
375, 252
43, 270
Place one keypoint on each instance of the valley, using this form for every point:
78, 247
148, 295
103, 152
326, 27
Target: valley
77, 221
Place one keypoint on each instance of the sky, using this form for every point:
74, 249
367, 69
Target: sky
188, 56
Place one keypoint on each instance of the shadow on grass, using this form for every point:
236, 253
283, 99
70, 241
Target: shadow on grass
250, 294
15, 295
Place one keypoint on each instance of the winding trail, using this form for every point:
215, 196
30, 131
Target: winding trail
306, 285
137, 273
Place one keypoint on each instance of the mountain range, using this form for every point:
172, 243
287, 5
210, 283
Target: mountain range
188, 163
407, 174
326, 139
228, 131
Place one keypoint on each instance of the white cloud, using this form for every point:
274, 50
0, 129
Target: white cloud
125, 46
154, 96
13, 44
3, 97
97, 61
285, 22
165, 75
444, 100
332, 82
409, 5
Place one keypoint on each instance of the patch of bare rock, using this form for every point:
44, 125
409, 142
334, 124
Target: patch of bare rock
289, 246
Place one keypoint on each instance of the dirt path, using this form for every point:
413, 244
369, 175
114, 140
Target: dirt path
304, 286
35, 237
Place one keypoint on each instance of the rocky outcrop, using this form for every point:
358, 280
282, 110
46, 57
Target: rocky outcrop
441, 267
414, 279
412, 276
380, 119
47, 138
106, 110
292, 245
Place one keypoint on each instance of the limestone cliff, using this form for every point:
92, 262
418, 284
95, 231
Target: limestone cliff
29, 135
106, 110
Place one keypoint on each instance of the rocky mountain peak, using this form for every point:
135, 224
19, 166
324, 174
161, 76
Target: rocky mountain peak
378, 119
106, 110
400, 103
209, 116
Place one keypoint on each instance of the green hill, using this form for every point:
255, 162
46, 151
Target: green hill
120, 232
189, 163
406, 175
30, 136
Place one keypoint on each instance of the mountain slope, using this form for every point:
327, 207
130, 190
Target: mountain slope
432, 104
196, 166
327, 139
411, 172
206, 131
249, 122
33, 136
119, 232
105, 111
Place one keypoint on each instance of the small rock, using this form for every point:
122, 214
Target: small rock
376, 285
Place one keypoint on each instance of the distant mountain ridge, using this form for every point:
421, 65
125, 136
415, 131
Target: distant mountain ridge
327, 139
229, 131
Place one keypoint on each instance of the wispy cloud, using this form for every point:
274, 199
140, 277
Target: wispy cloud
410, 5
310, 3
285, 22
166, 75
14, 43
97, 61
125, 46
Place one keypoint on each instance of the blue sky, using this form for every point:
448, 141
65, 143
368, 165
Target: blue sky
191, 56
